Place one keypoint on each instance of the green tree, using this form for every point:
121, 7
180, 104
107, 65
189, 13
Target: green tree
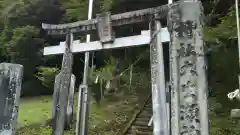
21, 39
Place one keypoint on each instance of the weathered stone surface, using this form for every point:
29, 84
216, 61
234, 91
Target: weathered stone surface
56, 93
105, 27
158, 81
10, 88
83, 111
70, 106
69, 113
62, 100
235, 113
87, 26
188, 69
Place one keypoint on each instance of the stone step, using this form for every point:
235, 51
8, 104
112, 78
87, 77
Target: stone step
146, 116
141, 133
140, 123
149, 103
143, 119
143, 128
148, 107
145, 113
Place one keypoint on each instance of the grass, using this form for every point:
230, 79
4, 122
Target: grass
34, 110
107, 118
110, 117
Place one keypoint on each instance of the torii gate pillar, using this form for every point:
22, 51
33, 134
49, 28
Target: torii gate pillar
187, 69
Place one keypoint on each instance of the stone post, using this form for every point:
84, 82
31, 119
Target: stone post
10, 88
69, 113
79, 109
160, 123
56, 93
187, 69
64, 85
83, 111
70, 106
168, 106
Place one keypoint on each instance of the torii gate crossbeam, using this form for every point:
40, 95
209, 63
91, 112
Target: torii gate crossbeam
130, 41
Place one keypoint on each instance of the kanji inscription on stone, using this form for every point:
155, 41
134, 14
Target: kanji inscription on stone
10, 88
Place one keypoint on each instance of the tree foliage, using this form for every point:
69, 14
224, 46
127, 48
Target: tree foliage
47, 75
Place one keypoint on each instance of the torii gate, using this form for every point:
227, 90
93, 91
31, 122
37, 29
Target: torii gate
187, 63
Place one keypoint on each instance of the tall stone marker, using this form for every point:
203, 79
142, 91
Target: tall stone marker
10, 88
69, 113
64, 85
189, 114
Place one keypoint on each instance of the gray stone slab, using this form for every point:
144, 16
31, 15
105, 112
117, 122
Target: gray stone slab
10, 88
56, 93
70, 106
235, 113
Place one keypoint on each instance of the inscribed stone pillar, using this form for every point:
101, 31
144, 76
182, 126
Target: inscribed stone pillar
69, 113
62, 99
187, 69
10, 88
